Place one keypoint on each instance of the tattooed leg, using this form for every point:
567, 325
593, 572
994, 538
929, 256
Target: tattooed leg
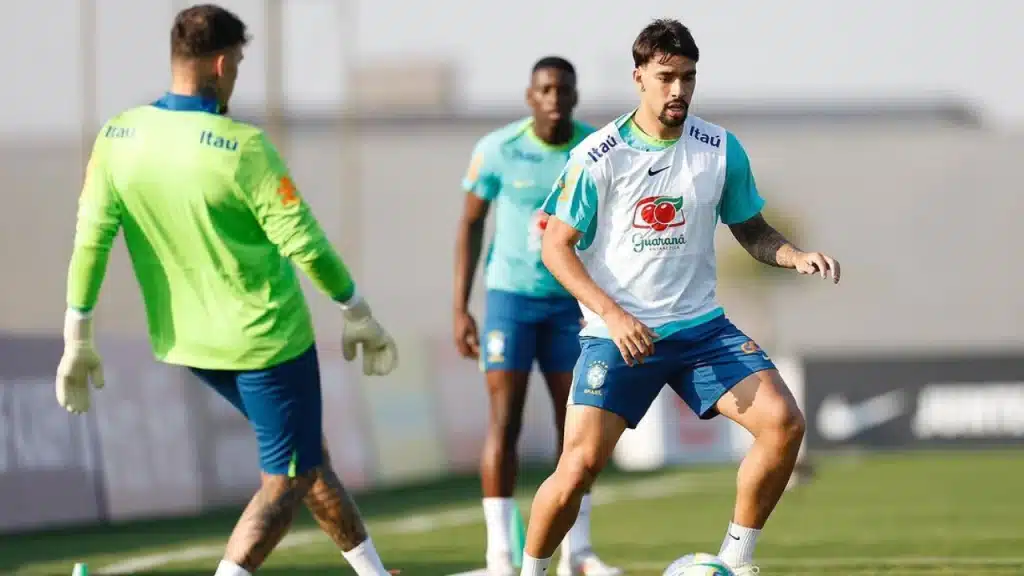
266, 519
334, 509
338, 516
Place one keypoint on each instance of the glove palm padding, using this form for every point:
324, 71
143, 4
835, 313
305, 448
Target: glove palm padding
380, 355
79, 367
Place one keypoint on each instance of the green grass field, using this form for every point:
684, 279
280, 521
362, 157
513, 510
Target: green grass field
922, 514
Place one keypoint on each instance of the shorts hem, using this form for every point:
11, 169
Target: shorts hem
489, 369
296, 465
629, 424
711, 412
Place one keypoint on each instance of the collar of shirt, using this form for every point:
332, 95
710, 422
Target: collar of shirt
186, 103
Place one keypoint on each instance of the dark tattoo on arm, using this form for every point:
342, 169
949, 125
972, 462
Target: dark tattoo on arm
334, 509
763, 242
266, 520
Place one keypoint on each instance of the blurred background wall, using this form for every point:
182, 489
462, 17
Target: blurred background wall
885, 132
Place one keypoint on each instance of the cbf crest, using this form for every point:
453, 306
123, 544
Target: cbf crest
495, 346
596, 373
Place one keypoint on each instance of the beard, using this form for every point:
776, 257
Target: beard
671, 120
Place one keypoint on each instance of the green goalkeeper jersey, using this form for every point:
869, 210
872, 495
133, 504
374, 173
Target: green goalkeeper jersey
213, 222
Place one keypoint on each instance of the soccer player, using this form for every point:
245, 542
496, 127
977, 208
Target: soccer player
213, 224
632, 238
530, 316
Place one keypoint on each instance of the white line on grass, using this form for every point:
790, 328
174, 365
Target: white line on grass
646, 489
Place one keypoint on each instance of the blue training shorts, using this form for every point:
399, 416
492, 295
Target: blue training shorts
701, 364
283, 405
519, 329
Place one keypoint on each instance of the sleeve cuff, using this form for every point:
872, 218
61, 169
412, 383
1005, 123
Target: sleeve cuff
749, 213
77, 326
352, 301
79, 313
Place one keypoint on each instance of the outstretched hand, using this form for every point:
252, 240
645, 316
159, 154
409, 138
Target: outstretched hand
818, 263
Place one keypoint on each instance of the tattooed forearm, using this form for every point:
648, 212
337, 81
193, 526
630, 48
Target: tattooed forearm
335, 511
266, 520
763, 242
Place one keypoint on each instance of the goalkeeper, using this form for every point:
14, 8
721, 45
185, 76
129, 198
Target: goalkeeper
211, 219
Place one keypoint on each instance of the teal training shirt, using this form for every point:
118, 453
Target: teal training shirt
516, 170
213, 222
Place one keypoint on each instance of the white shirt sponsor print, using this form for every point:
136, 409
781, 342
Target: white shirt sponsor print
653, 220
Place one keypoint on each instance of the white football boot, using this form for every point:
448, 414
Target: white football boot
501, 566
585, 563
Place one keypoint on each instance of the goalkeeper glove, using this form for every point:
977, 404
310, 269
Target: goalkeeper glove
79, 365
380, 355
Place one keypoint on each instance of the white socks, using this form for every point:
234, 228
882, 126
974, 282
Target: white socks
364, 559
229, 568
498, 517
498, 514
534, 566
738, 546
578, 538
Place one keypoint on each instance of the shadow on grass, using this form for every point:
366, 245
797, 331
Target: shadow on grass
126, 538
133, 538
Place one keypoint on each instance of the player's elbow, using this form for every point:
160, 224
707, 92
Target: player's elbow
471, 229
553, 251
306, 256
297, 244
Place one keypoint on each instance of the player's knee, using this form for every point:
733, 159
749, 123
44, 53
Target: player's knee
504, 427
797, 426
579, 467
502, 440
787, 422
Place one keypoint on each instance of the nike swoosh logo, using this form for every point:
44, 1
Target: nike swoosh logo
839, 419
652, 172
734, 537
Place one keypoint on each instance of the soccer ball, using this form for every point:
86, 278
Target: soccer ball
698, 564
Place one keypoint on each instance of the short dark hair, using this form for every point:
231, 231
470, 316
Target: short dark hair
667, 37
204, 30
555, 62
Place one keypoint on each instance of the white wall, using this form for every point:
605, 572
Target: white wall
753, 51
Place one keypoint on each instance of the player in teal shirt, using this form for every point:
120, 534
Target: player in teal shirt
529, 315
214, 223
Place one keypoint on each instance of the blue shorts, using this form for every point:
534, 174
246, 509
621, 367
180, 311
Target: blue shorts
283, 405
519, 329
700, 363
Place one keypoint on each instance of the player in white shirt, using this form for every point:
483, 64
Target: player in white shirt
631, 236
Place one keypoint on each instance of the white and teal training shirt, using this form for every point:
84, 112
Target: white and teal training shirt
647, 210
516, 170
